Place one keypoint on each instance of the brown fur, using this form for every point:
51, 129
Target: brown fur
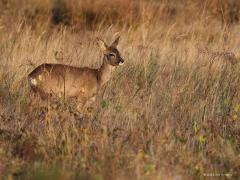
75, 82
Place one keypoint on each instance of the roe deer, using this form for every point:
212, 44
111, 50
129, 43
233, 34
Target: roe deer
76, 82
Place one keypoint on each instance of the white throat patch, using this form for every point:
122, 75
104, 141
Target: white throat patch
121, 63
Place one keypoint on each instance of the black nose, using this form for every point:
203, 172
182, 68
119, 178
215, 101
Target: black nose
121, 62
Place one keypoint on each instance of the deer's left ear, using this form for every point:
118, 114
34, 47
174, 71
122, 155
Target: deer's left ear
103, 46
115, 43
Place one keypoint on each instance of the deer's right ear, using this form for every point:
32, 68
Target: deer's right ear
103, 46
115, 42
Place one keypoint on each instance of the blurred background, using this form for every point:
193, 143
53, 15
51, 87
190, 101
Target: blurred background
91, 14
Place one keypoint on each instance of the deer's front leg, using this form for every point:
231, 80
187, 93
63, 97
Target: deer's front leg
81, 103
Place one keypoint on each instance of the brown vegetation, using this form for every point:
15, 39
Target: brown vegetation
172, 110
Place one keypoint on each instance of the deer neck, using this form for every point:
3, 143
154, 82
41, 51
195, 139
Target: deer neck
105, 71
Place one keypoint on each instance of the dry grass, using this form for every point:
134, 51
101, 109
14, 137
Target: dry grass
172, 111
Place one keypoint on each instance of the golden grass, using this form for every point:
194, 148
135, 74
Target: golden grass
172, 111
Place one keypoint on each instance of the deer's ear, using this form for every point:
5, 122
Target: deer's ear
103, 46
115, 42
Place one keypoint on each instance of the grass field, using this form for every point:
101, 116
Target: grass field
171, 112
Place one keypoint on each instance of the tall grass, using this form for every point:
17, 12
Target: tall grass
172, 111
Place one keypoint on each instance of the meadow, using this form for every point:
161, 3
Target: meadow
172, 111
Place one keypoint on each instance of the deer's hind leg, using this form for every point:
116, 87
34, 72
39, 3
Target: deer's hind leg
36, 98
37, 104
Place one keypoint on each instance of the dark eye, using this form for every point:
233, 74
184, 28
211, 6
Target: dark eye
112, 55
